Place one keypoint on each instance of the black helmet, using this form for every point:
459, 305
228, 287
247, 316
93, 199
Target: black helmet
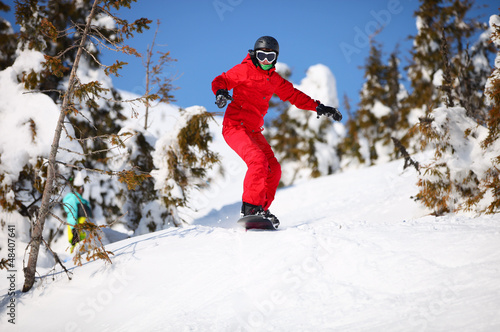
267, 42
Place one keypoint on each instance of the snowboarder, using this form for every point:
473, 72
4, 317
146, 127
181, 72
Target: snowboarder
77, 210
254, 81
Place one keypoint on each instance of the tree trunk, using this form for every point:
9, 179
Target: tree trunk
36, 238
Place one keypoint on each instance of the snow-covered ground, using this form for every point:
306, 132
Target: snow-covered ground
354, 253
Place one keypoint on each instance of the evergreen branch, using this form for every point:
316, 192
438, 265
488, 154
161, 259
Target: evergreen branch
4, 264
121, 174
105, 136
94, 57
66, 130
143, 99
116, 44
81, 168
102, 44
44, 91
111, 137
60, 54
132, 178
117, 219
97, 30
70, 108
88, 153
67, 32
114, 17
80, 28
92, 245
103, 39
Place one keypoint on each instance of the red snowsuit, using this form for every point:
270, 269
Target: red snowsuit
253, 87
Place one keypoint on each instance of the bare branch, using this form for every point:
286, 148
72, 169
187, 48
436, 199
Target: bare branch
408, 160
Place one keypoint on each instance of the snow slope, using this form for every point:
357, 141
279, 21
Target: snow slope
354, 253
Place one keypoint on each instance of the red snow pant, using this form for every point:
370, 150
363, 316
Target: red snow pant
264, 171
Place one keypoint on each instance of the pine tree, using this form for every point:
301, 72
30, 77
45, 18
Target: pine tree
349, 147
372, 92
466, 62
399, 121
182, 159
137, 188
452, 180
438, 19
378, 118
491, 180
426, 58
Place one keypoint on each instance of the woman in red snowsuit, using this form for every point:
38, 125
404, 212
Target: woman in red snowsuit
254, 81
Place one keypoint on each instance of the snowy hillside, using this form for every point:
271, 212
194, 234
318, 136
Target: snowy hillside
354, 253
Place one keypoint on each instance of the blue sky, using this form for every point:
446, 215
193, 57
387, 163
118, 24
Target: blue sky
208, 37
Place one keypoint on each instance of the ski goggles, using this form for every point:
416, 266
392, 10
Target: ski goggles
262, 55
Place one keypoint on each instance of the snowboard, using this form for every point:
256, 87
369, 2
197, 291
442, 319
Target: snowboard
256, 222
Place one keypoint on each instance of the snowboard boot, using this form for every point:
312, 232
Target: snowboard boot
251, 210
257, 210
272, 217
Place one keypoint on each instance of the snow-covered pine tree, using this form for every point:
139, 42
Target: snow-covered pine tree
368, 139
469, 65
181, 158
438, 19
133, 195
426, 57
452, 180
306, 146
371, 95
491, 145
400, 121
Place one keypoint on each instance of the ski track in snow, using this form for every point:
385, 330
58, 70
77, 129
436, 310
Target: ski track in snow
354, 253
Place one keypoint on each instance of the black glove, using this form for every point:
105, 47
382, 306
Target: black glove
329, 112
221, 98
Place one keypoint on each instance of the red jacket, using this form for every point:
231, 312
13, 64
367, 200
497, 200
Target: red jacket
253, 87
